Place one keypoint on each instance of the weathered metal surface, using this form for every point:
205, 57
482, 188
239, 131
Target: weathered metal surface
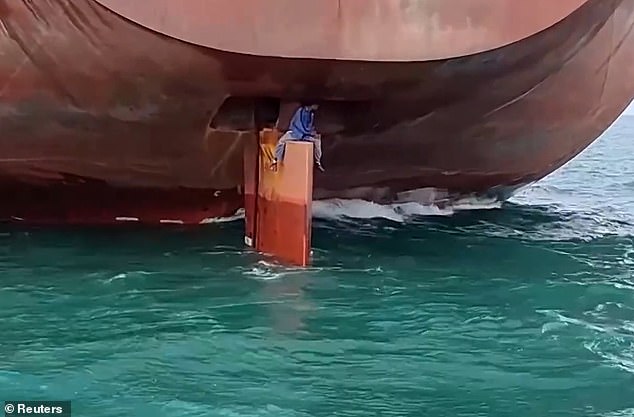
377, 30
86, 96
251, 164
98, 203
284, 203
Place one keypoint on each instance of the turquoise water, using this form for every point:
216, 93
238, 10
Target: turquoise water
524, 310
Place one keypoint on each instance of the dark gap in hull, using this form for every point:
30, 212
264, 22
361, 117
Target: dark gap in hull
251, 113
246, 113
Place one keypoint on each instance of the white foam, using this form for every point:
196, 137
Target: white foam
341, 209
123, 275
266, 271
336, 209
238, 215
629, 412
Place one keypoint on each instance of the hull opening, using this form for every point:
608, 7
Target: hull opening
246, 114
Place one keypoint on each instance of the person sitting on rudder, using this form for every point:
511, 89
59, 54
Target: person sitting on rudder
301, 128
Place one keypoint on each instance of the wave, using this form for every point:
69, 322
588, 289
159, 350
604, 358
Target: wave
401, 212
341, 209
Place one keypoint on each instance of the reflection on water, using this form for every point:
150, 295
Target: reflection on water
288, 306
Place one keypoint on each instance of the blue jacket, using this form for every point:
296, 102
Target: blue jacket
302, 124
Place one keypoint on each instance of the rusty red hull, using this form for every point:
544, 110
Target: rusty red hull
109, 110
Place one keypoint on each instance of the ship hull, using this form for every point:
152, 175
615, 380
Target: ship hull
105, 120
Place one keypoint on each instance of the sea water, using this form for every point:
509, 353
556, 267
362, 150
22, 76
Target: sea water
479, 309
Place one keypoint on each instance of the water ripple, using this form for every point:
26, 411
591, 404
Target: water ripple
522, 310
